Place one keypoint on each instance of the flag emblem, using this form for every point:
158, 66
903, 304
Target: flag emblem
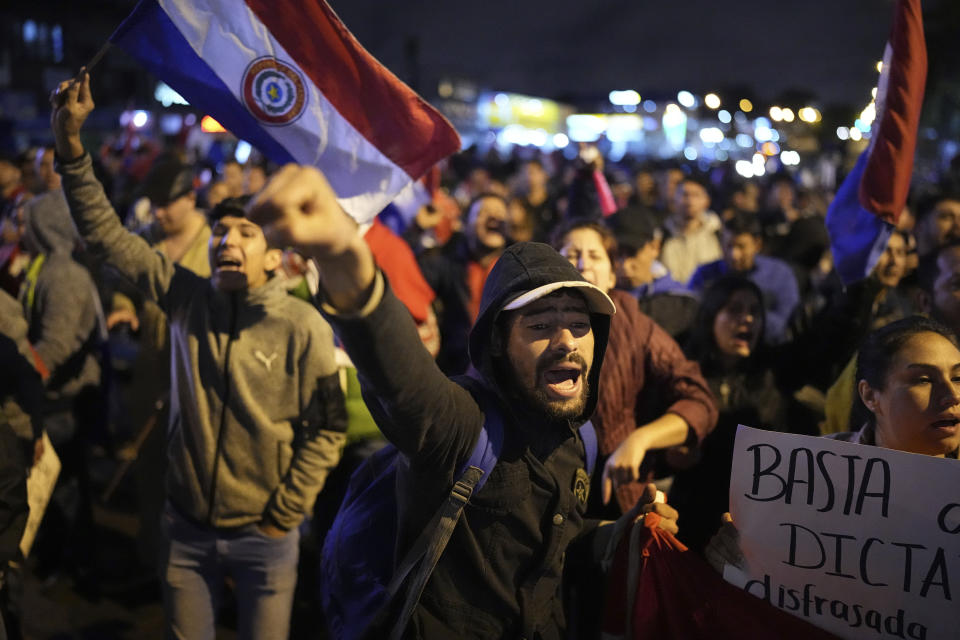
273, 91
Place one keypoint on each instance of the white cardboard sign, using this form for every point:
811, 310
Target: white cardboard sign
861, 541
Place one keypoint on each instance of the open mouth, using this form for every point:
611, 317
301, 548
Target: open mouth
229, 263
564, 381
947, 424
495, 226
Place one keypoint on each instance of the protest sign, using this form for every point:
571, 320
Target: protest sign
861, 541
40, 485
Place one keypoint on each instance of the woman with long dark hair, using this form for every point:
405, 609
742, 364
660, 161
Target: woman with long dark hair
727, 341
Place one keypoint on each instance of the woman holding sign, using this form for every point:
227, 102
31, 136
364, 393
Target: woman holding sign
908, 399
908, 389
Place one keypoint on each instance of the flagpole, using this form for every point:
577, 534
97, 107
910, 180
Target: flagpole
97, 57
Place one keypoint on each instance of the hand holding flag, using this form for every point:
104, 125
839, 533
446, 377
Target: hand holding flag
72, 103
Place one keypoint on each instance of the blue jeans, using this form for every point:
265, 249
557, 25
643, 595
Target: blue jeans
194, 561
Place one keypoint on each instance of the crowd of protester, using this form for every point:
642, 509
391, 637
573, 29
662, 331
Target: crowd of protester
728, 311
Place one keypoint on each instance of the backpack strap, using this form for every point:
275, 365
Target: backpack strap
426, 550
589, 436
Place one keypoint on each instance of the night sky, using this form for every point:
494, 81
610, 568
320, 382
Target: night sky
557, 48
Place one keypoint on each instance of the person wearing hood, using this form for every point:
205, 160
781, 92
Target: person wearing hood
537, 347
61, 305
653, 399
257, 417
59, 298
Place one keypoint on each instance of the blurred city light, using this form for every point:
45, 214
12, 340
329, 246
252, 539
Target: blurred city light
744, 168
770, 148
140, 119
584, 127
686, 99
746, 106
809, 114
29, 31
787, 114
242, 154
560, 140
166, 96
855, 134
209, 125
531, 107
869, 114
171, 123
776, 113
712, 100
759, 164
711, 135
763, 134
879, 66
745, 141
724, 116
843, 133
628, 97
790, 158
690, 153
674, 125
649, 106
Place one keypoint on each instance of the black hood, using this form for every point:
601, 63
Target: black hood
523, 267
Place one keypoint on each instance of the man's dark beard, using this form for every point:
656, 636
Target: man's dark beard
557, 410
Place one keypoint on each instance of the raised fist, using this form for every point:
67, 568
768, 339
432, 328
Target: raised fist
298, 209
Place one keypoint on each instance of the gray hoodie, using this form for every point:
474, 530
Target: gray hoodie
60, 300
257, 416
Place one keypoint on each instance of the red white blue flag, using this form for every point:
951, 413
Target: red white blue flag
289, 78
868, 203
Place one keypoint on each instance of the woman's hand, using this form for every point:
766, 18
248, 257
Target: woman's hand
724, 547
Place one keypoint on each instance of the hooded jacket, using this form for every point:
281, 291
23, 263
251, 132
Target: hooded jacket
500, 574
59, 298
257, 417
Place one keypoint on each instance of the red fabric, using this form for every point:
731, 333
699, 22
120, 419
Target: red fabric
680, 596
406, 129
39, 365
886, 178
397, 261
476, 277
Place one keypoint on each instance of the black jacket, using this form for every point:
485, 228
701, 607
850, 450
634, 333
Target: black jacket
500, 574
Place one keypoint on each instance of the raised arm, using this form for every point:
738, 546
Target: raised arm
422, 412
92, 212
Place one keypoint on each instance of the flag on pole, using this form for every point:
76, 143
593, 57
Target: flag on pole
869, 201
289, 78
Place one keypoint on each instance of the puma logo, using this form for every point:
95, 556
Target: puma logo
267, 361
